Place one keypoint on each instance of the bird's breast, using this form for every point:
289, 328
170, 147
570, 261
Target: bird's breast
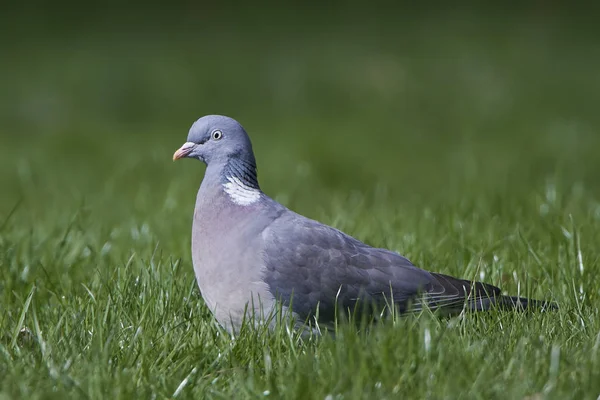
228, 264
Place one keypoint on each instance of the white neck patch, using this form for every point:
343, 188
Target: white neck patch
240, 193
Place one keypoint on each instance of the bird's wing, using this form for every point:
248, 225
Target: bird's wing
312, 265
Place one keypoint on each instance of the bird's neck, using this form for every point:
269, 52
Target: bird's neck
242, 171
237, 178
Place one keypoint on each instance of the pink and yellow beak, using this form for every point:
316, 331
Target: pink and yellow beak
184, 150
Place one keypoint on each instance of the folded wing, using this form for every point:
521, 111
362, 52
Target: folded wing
311, 267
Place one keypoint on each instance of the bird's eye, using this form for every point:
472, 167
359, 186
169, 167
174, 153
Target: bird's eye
217, 134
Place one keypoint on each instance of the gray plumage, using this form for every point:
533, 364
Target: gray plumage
250, 252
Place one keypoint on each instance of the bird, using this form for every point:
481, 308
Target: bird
252, 255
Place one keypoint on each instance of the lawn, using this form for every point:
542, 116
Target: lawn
467, 143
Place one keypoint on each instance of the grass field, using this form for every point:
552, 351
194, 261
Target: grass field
468, 145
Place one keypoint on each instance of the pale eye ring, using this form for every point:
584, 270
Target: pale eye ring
216, 134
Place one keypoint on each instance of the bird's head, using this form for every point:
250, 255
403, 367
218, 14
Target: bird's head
218, 139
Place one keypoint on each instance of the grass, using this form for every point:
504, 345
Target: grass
473, 155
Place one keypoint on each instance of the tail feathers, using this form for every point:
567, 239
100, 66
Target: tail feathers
522, 303
510, 303
453, 294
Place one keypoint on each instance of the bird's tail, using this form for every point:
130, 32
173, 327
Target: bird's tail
484, 303
479, 296
522, 303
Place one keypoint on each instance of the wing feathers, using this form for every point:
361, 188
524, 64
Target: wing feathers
319, 265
